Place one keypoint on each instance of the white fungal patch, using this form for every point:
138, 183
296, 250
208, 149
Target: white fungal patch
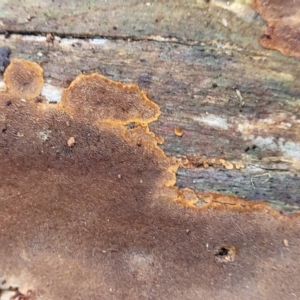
265, 143
29, 38
276, 122
242, 9
44, 134
69, 42
52, 93
289, 148
98, 41
11, 282
213, 121
2, 86
7, 295
280, 121
286, 124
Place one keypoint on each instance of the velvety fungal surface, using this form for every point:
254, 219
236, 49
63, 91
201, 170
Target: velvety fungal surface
283, 25
99, 99
24, 78
89, 209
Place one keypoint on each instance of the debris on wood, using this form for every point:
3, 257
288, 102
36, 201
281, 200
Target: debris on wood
71, 142
178, 131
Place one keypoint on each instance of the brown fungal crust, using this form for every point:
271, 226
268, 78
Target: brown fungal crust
283, 23
102, 219
24, 78
100, 99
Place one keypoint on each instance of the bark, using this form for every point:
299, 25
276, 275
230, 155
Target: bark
237, 103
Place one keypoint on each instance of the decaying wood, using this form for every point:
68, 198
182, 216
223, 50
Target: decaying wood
203, 65
229, 114
89, 207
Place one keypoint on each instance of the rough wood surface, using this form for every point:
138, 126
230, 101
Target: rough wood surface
89, 209
180, 20
202, 64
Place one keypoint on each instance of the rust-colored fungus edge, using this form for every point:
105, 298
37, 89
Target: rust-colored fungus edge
101, 102
89, 208
283, 23
109, 101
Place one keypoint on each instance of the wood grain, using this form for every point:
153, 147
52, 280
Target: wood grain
232, 99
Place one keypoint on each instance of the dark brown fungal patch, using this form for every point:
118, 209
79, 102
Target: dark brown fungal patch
102, 219
283, 23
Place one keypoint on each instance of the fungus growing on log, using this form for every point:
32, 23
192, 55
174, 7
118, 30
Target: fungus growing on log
24, 78
283, 23
101, 217
100, 99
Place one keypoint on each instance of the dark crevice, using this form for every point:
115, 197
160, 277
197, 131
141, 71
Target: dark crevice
169, 39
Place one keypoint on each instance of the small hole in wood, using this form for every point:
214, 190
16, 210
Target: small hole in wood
225, 253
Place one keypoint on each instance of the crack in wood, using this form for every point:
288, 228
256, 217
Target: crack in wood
155, 38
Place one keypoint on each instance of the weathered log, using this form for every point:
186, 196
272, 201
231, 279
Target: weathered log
229, 114
241, 108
